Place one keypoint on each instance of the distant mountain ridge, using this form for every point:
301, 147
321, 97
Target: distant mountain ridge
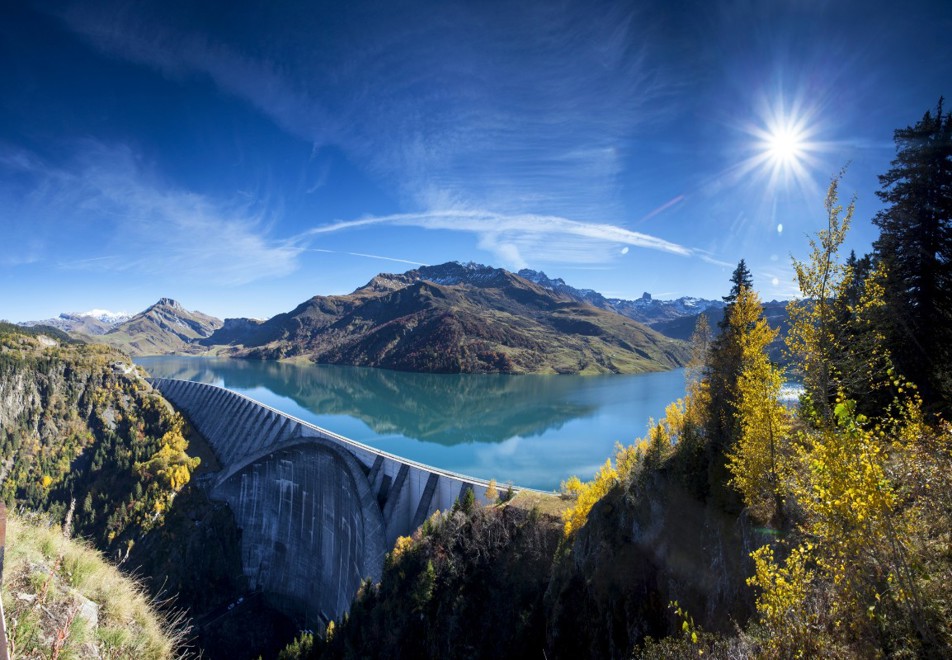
93, 322
644, 309
672, 318
456, 318
165, 327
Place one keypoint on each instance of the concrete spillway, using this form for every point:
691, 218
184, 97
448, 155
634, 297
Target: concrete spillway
317, 511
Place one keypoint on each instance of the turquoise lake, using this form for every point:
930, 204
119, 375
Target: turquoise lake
532, 431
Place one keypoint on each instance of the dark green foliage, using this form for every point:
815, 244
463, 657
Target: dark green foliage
740, 278
856, 343
915, 243
722, 367
194, 557
469, 501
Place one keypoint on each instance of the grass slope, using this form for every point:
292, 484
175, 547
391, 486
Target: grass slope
62, 599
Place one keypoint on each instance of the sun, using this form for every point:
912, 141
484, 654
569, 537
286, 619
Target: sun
784, 146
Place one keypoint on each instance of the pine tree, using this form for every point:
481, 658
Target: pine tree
858, 270
740, 279
915, 244
701, 340
723, 367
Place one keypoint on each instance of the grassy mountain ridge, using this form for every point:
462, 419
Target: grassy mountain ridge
165, 327
455, 318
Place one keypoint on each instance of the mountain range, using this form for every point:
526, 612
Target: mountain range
455, 318
447, 318
93, 322
645, 309
165, 327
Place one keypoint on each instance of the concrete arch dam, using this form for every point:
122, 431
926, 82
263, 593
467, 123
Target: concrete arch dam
317, 511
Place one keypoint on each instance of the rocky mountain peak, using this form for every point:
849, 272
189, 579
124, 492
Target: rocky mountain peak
169, 302
454, 272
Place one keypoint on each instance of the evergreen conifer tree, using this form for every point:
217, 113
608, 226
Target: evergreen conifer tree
723, 366
915, 244
740, 279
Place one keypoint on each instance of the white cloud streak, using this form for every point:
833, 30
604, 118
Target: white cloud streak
517, 240
369, 256
151, 227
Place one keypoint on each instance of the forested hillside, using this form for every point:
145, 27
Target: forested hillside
77, 424
85, 441
741, 527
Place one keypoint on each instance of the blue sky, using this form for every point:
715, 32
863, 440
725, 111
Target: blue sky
243, 157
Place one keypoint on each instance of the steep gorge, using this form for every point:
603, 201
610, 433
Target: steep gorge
80, 428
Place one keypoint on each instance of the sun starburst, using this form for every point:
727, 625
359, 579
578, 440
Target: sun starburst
784, 147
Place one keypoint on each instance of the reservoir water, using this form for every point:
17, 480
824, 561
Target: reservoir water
533, 431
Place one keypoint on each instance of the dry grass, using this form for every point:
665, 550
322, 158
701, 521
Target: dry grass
550, 504
63, 600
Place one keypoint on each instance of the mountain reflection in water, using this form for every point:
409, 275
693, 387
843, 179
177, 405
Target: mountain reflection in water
544, 428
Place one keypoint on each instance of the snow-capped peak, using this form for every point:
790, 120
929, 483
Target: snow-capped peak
106, 316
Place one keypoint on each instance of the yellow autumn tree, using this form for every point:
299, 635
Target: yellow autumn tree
815, 338
171, 467
586, 494
755, 460
784, 603
492, 493
853, 572
850, 504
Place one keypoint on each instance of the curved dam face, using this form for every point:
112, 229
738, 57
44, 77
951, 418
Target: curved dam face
311, 528
318, 512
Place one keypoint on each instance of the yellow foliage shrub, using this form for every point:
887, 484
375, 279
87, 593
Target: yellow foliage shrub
586, 494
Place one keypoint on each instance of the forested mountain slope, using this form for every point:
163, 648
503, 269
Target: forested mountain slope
83, 437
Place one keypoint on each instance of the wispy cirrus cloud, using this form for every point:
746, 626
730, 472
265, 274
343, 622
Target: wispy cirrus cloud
379, 257
450, 103
517, 240
103, 211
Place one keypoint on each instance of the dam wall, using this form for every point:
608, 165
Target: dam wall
318, 511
